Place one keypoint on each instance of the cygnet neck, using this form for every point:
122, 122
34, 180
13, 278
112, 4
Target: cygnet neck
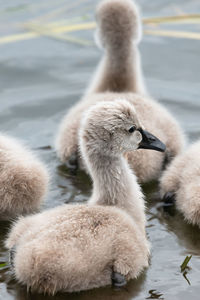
120, 70
114, 184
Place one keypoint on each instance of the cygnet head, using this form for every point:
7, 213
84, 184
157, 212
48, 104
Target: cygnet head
118, 22
112, 128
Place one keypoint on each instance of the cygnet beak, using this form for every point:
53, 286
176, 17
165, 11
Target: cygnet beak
149, 141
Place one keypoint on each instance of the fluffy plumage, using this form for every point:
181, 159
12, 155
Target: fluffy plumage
23, 179
119, 76
78, 247
182, 180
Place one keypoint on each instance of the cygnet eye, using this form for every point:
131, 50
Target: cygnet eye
132, 129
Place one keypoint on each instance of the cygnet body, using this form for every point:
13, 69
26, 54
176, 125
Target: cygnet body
23, 179
181, 183
119, 75
79, 247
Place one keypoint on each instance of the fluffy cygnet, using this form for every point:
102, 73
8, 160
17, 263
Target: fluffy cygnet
119, 76
23, 179
181, 183
79, 247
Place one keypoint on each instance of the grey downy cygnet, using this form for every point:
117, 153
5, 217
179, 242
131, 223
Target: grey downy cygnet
119, 75
23, 179
180, 183
79, 247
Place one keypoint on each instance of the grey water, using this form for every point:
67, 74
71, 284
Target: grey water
41, 77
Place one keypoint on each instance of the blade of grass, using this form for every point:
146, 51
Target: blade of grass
76, 27
18, 37
185, 263
69, 21
2, 265
192, 19
45, 31
174, 34
61, 28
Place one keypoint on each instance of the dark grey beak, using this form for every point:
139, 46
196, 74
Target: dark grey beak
149, 141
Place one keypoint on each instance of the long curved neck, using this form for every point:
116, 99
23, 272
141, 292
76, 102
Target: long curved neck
115, 184
119, 71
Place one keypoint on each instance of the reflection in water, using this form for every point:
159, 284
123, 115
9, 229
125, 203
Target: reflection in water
78, 178
127, 293
187, 234
155, 295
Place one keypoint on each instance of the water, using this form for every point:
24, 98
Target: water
40, 78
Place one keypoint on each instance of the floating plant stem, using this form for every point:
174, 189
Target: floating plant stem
183, 19
45, 31
174, 34
3, 265
185, 263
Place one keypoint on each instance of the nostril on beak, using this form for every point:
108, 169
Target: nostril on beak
152, 139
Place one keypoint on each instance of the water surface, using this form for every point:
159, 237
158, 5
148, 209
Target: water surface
40, 78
